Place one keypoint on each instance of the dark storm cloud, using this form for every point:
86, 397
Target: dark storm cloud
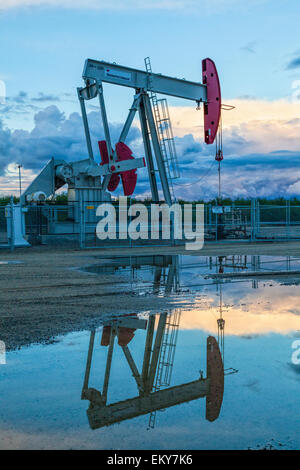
53, 135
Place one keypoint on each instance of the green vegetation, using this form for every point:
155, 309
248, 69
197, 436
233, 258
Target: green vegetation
63, 199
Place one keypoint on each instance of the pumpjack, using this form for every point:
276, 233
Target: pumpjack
90, 180
153, 380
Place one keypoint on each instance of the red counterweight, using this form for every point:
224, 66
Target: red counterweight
212, 109
129, 178
115, 177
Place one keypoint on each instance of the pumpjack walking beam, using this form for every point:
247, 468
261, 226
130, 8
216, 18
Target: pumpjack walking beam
101, 71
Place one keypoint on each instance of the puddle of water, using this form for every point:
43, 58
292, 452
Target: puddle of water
222, 374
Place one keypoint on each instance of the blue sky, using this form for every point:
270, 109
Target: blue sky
255, 45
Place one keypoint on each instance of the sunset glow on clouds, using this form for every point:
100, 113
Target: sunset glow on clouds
260, 125
277, 312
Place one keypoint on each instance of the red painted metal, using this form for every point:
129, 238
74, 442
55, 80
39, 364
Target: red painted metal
212, 109
115, 178
125, 335
129, 178
215, 374
105, 338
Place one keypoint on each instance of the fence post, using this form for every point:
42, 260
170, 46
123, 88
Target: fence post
253, 219
12, 228
81, 222
288, 217
257, 218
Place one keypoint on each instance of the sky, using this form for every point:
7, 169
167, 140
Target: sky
256, 48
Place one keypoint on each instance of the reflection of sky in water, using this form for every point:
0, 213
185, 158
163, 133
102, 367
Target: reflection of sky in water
41, 386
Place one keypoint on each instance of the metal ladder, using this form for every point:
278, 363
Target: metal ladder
164, 131
166, 357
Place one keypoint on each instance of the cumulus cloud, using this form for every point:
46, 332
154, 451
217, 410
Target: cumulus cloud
53, 135
261, 153
243, 318
23, 104
255, 125
261, 143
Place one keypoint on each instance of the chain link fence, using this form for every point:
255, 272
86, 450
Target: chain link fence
3, 227
77, 222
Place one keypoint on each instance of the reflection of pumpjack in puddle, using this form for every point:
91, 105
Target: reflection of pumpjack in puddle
165, 269
156, 372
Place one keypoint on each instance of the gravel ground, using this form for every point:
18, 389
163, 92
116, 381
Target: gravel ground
45, 294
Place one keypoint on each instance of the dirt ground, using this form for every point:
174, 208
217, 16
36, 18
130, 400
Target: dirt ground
47, 294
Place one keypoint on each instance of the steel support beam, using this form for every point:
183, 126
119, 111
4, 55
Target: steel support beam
157, 150
111, 154
126, 76
133, 367
148, 152
170, 278
130, 117
105, 123
108, 365
156, 350
148, 349
88, 365
85, 124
